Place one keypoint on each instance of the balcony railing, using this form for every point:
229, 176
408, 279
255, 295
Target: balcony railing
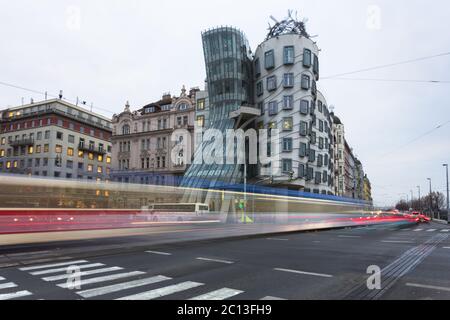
90, 148
22, 142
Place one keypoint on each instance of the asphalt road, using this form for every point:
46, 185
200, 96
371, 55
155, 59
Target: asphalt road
414, 261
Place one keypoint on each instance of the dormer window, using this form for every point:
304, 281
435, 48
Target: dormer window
183, 106
150, 110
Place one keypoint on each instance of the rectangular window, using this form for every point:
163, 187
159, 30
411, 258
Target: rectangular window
269, 59
80, 154
273, 108
90, 156
47, 135
312, 155
99, 169
257, 68
304, 107
303, 128
201, 121
2, 153
70, 152
320, 106
288, 80
316, 66
302, 152
288, 55
59, 135
320, 143
71, 138
201, 104
313, 137
318, 177
261, 107
58, 148
259, 88
90, 168
320, 160
287, 165
306, 58
301, 170
69, 164
305, 82
320, 125
100, 158
108, 159
287, 124
271, 83
287, 144
288, 102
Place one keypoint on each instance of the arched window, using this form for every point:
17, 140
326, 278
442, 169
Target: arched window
126, 129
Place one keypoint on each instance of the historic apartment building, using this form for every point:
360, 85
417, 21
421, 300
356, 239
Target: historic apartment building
55, 138
143, 140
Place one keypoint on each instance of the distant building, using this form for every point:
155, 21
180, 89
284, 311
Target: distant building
339, 156
359, 180
55, 138
142, 140
367, 189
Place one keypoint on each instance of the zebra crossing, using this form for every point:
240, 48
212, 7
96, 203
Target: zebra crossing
100, 281
426, 230
9, 290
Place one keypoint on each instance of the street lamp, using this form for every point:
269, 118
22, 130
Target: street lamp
412, 199
446, 169
431, 201
420, 202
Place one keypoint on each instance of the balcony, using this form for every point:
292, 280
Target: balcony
22, 142
92, 149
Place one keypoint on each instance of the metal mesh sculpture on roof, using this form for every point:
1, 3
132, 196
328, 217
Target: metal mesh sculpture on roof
287, 26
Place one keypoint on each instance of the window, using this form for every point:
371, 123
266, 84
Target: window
269, 59
319, 106
309, 173
126, 129
8, 164
312, 155
288, 102
261, 107
301, 170
287, 124
2, 152
287, 165
320, 125
90, 156
307, 58
108, 159
305, 82
71, 138
259, 88
58, 148
99, 169
37, 162
287, 144
59, 135
201, 121
320, 143
90, 167
3, 141
273, 108
257, 67
303, 128
318, 177
80, 165
200, 104
70, 152
80, 153
316, 66
100, 158
320, 160
47, 135
69, 164
313, 137
304, 106
39, 136
271, 83
302, 151
288, 80
288, 55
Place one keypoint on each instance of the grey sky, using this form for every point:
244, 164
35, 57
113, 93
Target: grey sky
136, 50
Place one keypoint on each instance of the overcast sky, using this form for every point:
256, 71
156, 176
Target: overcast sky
110, 51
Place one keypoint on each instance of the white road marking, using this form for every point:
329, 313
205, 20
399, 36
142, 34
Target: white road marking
159, 252
7, 285
396, 241
304, 272
1, 278
220, 294
431, 230
271, 298
27, 253
104, 278
52, 265
121, 286
278, 239
91, 265
445, 247
416, 230
215, 260
161, 292
17, 294
445, 230
343, 236
427, 286
83, 273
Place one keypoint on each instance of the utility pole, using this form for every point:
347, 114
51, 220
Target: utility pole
431, 200
420, 201
412, 199
446, 169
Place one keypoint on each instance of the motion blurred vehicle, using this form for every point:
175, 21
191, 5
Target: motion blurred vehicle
418, 217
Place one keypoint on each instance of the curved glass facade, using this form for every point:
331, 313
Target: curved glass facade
230, 85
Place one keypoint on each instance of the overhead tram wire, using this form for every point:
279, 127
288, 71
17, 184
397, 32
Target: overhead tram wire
387, 65
48, 94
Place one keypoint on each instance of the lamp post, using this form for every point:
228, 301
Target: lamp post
431, 201
446, 169
412, 199
420, 202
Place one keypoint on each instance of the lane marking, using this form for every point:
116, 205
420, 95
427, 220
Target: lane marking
160, 253
220, 294
91, 265
215, 260
427, 286
344, 236
396, 241
83, 273
1, 279
271, 298
305, 273
121, 286
416, 230
52, 265
445, 230
17, 294
278, 239
445, 247
431, 230
8, 285
27, 253
104, 278
164, 291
